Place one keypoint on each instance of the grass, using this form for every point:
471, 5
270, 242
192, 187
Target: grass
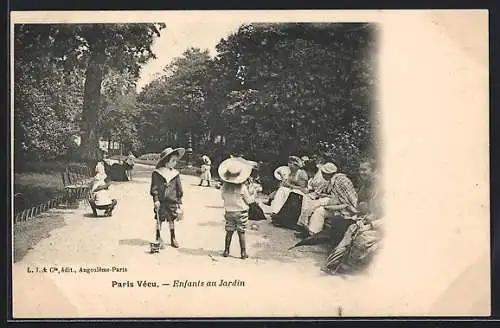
35, 188
38, 182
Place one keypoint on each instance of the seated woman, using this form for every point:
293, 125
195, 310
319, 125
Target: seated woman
319, 190
362, 239
317, 182
287, 203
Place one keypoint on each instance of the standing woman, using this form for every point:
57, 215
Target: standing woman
166, 189
205, 170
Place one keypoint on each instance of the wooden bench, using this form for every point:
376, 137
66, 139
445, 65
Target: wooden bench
76, 185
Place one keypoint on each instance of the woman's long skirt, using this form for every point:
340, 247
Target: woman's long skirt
279, 199
289, 213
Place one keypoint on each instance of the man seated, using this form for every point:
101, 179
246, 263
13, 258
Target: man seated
100, 198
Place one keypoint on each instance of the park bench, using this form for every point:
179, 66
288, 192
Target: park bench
76, 185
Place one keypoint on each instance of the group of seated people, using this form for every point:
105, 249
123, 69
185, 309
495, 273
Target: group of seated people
316, 196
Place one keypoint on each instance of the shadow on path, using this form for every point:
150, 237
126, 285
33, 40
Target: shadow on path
212, 224
201, 252
98, 217
276, 241
134, 242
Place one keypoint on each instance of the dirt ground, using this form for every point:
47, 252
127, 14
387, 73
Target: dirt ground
277, 280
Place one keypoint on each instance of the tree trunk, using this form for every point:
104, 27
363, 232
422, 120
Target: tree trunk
89, 149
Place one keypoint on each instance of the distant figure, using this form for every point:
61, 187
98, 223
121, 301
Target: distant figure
102, 162
206, 175
129, 165
100, 198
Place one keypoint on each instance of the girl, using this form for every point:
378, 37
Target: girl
205, 170
166, 189
100, 198
234, 172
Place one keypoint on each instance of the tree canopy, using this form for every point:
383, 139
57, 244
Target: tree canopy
270, 91
89, 51
273, 90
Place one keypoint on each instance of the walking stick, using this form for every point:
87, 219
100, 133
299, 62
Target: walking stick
155, 247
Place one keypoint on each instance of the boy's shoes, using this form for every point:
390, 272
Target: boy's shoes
244, 255
225, 254
174, 243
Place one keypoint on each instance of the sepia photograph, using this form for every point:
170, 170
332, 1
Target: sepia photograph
233, 164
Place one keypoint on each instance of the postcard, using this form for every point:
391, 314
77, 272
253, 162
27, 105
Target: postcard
208, 164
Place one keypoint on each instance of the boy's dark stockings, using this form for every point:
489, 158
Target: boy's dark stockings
229, 236
173, 242
243, 245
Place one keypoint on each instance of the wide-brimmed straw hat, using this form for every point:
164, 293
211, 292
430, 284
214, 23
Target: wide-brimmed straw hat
328, 168
234, 170
285, 170
253, 164
168, 151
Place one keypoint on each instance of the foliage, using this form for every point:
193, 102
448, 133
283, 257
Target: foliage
175, 104
317, 86
46, 111
120, 117
94, 49
272, 90
59, 69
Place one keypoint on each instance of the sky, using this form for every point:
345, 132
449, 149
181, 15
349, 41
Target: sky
180, 35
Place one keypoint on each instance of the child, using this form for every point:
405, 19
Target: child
255, 212
166, 190
237, 197
129, 165
100, 198
205, 170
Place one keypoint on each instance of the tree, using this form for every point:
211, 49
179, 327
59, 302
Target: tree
47, 100
180, 96
296, 86
94, 48
119, 117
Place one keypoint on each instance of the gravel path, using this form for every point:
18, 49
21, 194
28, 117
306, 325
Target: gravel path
277, 282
